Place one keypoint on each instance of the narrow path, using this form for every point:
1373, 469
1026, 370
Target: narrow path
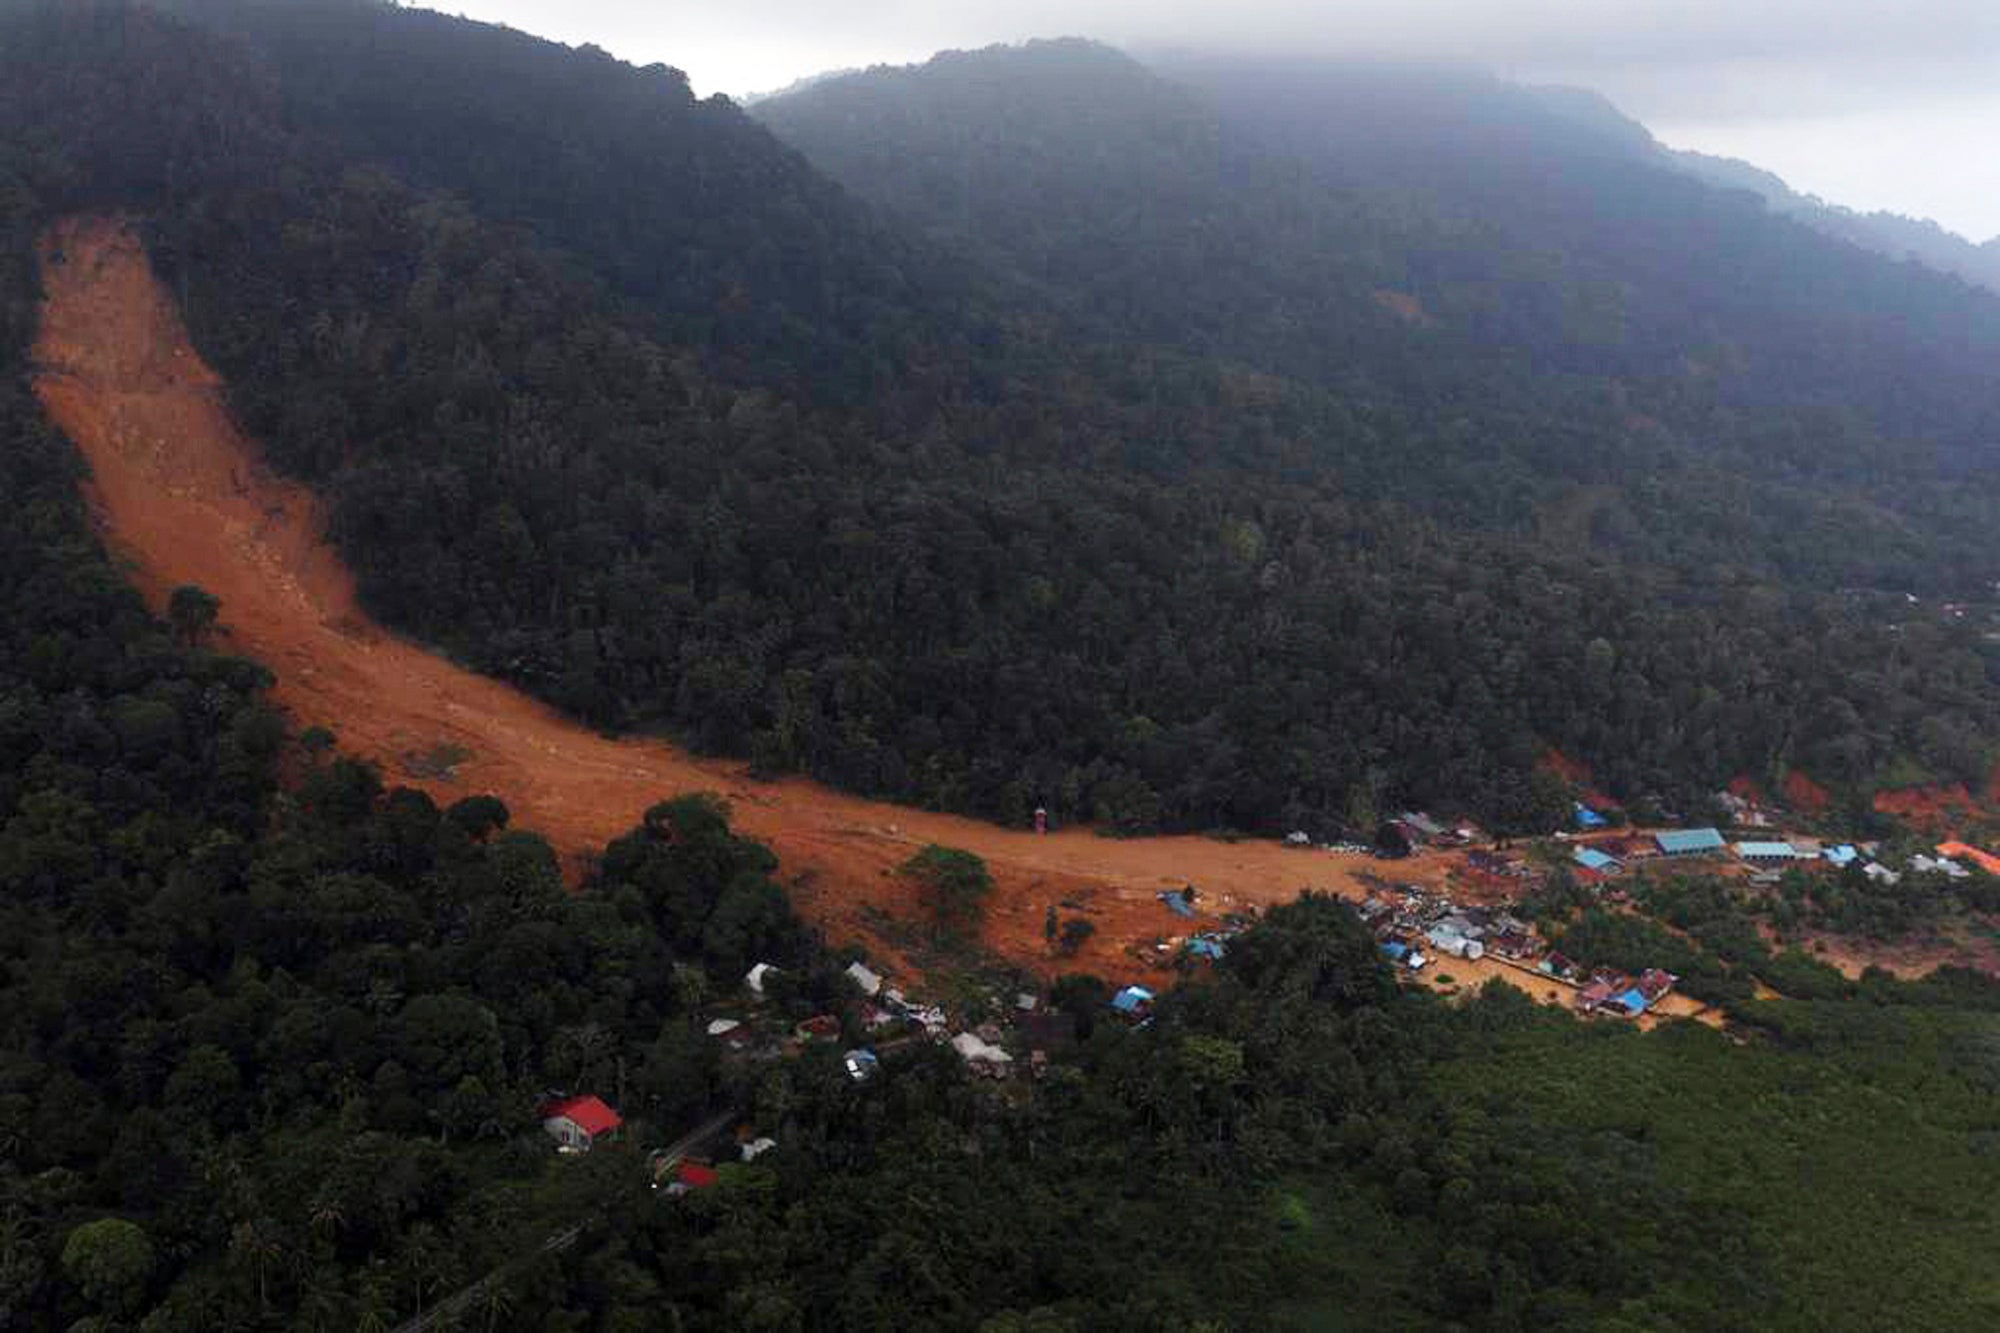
186, 498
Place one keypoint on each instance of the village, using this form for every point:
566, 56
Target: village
1444, 901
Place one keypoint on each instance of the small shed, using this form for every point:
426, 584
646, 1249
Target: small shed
1588, 818
756, 976
869, 982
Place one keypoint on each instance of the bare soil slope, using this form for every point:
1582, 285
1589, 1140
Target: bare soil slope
187, 499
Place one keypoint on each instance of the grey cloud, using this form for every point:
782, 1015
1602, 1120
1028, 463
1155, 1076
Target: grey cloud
1752, 62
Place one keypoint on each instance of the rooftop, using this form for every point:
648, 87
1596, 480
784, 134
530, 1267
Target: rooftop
1680, 842
588, 1114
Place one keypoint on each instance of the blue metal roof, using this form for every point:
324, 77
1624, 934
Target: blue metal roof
1775, 851
1587, 817
1681, 842
1396, 951
1633, 1002
1845, 854
1592, 859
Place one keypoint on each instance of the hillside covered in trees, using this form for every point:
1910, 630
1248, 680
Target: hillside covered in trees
273, 1035
1223, 492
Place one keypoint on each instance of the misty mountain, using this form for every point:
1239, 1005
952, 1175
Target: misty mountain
1890, 234
1053, 432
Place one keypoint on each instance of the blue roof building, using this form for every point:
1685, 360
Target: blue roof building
1689, 842
1203, 947
1588, 818
1592, 859
1767, 851
1632, 1002
1844, 855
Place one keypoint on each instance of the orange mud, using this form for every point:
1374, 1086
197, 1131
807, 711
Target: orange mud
1745, 787
185, 498
1937, 804
1805, 795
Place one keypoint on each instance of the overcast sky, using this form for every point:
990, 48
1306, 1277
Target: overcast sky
1869, 103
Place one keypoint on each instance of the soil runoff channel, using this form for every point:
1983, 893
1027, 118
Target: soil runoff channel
183, 497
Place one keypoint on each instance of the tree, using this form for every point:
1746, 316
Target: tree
192, 612
110, 1261
954, 886
1076, 933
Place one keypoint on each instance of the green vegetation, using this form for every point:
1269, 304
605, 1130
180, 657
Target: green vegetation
1073, 511
270, 1056
954, 886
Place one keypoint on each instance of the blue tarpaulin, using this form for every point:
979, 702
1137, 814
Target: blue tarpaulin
1177, 902
1131, 999
1587, 817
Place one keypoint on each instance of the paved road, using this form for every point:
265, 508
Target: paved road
456, 1304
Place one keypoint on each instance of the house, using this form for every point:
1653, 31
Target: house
692, 1175
1396, 839
1449, 941
1843, 855
1595, 861
1654, 984
756, 1148
1960, 851
577, 1122
1689, 842
1941, 865
1587, 818
1596, 995
755, 978
1404, 954
729, 1032
980, 1055
1422, 825
1133, 1002
1631, 1003
861, 1064
1558, 965
869, 982
1515, 944
1769, 852
820, 1027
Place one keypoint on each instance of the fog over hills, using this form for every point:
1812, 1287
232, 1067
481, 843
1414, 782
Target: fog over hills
1161, 478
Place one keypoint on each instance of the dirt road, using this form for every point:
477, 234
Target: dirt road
186, 498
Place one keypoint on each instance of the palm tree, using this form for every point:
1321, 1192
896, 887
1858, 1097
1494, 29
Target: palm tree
496, 1300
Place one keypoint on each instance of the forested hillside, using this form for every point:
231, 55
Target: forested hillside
674, 432
273, 1036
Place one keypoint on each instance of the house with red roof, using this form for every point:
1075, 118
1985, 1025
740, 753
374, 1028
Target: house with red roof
578, 1122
